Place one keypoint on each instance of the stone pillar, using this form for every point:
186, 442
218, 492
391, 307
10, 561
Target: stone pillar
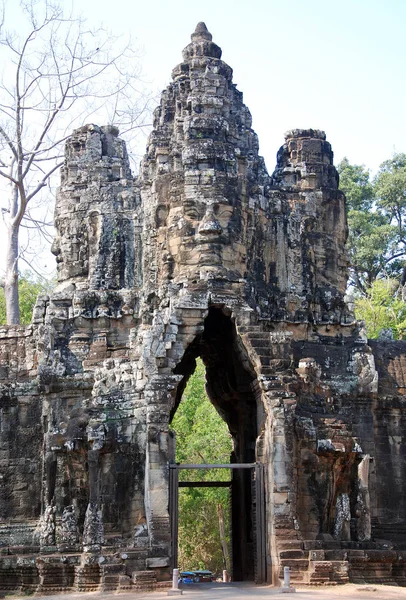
93, 532
363, 507
343, 518
158, 395
47, 527
68, 533
156, 486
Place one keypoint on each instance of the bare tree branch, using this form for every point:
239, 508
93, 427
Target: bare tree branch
62, 74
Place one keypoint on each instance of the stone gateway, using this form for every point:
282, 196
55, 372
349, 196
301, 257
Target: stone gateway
202, 255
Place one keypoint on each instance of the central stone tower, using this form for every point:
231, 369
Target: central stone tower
221, 222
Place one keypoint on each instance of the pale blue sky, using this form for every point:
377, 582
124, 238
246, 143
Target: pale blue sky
337, 66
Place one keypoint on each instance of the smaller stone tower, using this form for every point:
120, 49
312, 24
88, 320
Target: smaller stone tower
97, 244
309, 266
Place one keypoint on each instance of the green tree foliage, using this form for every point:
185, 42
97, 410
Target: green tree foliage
371, 235
390, 191
29, 289
355, 183
377, 242
382, 308
202, 437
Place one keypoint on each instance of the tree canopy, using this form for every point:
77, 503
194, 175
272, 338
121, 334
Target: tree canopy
377, 242
374, 246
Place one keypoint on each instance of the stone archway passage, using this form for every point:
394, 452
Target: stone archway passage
230, 386
240, 545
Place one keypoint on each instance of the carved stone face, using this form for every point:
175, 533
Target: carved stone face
70, 248
199, 232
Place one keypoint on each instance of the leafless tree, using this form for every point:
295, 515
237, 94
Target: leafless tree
57, 74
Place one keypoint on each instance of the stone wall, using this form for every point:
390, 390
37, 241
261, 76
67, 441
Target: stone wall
204, 254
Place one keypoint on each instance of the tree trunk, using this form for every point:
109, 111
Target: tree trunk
11, 277
223, 539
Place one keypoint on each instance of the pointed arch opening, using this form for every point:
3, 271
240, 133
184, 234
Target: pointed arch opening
231, 388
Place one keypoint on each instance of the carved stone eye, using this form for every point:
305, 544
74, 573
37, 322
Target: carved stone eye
224, 214
192, 213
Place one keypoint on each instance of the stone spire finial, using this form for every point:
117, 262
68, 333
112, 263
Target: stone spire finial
201, 44
201, 33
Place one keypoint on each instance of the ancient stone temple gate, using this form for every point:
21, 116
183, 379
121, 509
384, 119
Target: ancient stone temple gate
204, 254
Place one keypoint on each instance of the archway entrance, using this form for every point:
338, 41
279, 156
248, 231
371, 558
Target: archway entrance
231, 388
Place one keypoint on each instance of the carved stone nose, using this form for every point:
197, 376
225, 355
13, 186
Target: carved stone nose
210, 225
55, 248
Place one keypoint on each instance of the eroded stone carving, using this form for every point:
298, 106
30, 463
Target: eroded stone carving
68, 534
93, 532
47, 530
343, 518
363, 507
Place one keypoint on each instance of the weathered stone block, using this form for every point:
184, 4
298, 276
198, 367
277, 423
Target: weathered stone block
152, 563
